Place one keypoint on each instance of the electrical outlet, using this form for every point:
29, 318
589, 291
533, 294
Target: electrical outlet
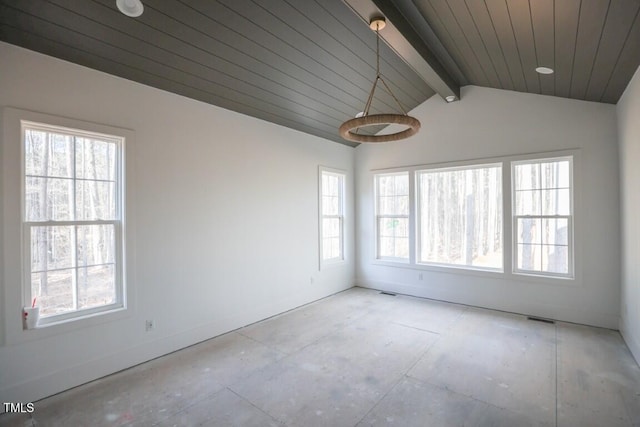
149, 325
311, 281
420, 277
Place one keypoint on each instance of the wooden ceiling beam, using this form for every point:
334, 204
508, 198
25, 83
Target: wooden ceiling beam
401, 37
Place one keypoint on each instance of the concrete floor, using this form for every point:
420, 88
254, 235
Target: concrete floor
362, 358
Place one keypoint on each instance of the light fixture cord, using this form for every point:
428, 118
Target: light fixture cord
379, 77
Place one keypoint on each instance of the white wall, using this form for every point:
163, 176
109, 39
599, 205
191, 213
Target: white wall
628, 109
225, 217
490, 123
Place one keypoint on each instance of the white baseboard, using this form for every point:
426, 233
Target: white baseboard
521, 307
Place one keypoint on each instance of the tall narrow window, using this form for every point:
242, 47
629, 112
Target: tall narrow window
392, 216
543, 216
72, 219
460, 216
332, 209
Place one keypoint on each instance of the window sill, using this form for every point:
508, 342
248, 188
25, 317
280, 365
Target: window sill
42, 331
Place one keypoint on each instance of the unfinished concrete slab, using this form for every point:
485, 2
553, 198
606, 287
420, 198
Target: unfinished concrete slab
597, 378
502, 359
362, 358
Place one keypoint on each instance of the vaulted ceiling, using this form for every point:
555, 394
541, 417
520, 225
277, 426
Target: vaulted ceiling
309, 64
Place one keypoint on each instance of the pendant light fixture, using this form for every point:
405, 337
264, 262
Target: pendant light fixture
349, 129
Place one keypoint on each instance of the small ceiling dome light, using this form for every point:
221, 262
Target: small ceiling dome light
132, 8
349, 129
544, 70
450, 98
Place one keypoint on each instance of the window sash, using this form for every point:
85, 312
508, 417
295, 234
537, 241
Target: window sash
393, 238
541, 244
339, 256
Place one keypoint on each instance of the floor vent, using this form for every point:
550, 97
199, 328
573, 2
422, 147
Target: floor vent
538, 319
388, 293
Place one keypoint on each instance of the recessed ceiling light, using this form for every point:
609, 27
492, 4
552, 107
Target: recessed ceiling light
450, 98
544, 70
132, 8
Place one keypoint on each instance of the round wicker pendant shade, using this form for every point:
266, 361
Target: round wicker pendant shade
379, 119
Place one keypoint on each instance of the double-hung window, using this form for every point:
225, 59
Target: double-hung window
392, 216
460, 216
332, 188
72, 221
543, 216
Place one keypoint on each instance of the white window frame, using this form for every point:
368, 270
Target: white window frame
570, 219
117, 223
342, 177
417, 219
509, 236
408, 217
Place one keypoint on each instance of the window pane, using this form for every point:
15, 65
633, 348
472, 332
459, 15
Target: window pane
326, 249
529, 231
331, 248
555, 259
402, 205
394, 247
96, 244
556, 202
527, 176
95, 159
555, 231
461, 216
36, 152
96, 286
51, 248
48, 154
54, 291
386, 205
330, 205
48, 199
555, 174
95, 200
394, 227
529, 257
528, 202
330, 227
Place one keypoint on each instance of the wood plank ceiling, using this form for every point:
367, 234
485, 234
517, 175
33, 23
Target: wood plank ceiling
309, 64
593, 45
